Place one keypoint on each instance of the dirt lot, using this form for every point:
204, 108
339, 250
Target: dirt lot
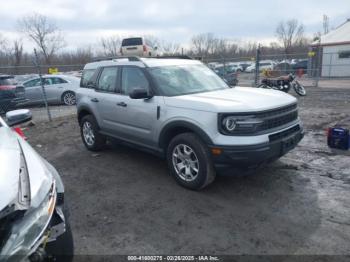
124, 202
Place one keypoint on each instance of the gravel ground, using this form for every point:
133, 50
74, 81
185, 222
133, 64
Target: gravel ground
123, 201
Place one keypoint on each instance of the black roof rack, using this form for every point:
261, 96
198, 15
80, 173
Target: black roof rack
104, 58
174, 57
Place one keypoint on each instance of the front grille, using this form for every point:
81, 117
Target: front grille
278, 111
279, 121
284, 134
270, 120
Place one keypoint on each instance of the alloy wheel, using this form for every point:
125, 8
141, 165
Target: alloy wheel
185, 162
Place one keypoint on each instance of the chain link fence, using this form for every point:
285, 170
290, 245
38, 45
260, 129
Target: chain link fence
320, 67
314, 68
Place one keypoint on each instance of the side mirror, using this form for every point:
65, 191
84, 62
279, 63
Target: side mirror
139, 93
155, 48
17, 117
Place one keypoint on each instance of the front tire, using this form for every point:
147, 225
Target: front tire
190, 162
299, 89
89, 131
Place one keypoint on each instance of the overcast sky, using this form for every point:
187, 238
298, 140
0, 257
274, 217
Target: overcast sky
85, 22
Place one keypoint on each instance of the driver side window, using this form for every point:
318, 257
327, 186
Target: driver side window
133, 77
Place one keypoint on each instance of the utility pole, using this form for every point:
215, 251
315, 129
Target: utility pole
257, 69
36, 63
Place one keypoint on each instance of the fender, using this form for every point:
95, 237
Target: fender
180, 124
83, 108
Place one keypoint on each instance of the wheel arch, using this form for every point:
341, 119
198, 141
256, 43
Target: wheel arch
175, 128
84, 111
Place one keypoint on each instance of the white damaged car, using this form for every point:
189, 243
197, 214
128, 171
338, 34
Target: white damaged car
33, 220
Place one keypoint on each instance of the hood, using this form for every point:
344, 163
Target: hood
238, 99
40, 179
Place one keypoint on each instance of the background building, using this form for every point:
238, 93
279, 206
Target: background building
335, 52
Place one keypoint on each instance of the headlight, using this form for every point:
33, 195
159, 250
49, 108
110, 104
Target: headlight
26, 232
229, 123
236, 125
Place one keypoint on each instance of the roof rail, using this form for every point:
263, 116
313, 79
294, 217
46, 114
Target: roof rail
104, 58
174, 57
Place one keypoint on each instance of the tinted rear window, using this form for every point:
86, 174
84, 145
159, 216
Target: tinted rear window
132, 41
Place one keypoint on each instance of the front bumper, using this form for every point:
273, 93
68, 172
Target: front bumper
250, 156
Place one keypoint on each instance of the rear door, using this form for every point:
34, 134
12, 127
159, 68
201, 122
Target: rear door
105, 98
33, 91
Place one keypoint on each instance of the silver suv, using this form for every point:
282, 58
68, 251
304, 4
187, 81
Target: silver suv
181, 110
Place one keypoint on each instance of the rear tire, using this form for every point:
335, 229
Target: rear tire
69, 98
264, 86
190, 162
89, 131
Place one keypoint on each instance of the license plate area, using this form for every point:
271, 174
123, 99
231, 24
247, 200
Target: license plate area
288, 144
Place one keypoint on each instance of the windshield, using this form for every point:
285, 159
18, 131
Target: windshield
186, 79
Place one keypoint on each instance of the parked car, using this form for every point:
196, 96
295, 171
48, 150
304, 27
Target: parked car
231, 79
244, 65
33, 216
263, 65
138, 46
182, 111
235, 67
10, 93
283, 68
58, 88
223, 70
302, 64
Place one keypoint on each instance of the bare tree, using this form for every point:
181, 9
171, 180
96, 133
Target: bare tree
17, 52
152, 40
169, 48
290, 33
204, 44
111, 45
43, 33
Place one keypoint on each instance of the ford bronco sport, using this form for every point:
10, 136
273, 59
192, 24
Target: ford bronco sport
181, 110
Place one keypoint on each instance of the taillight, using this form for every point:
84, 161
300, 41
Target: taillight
19, 131
121, 51
144, 48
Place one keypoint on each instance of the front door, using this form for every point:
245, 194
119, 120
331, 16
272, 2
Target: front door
136, 118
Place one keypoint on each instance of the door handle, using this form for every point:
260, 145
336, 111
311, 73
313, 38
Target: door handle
95, 100
122, 104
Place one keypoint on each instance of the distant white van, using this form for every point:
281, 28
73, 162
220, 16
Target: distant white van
138, 46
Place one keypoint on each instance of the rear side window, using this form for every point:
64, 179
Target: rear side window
132, 41
86, 76
31, 83
57, 80
108, 79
